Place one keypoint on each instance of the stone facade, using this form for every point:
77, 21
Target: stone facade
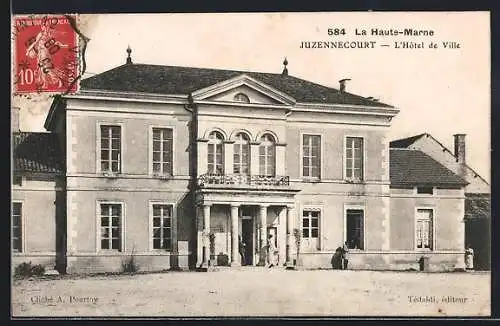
110, 216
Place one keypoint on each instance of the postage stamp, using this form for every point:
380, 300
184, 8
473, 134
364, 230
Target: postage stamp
46, 54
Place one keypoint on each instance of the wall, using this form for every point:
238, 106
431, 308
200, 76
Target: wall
376, 165
448, 206
83, 120
135, 187
449, 228
84, 252
332, 223
439, 261
389, 239
39, 198
333, 195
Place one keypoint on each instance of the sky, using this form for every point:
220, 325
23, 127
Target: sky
441, 91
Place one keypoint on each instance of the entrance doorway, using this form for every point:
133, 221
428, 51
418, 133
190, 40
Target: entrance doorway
247, 238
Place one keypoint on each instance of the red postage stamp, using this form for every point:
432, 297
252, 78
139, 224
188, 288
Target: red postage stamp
46, 54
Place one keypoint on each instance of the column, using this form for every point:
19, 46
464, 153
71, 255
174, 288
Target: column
263, 235
235, 254
206, 232
289, 235
199, 236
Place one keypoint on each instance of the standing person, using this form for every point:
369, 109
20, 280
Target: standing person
241, 249
469, 258
345, 255
271, 251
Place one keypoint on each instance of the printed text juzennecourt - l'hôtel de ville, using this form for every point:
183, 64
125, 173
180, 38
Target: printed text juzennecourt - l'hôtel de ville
370, 38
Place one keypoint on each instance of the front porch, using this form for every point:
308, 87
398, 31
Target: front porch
233, 224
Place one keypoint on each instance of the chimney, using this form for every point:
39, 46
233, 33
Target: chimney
342, 84
14, 120
460, 147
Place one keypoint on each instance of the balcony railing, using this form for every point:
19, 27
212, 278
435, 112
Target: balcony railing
243, 180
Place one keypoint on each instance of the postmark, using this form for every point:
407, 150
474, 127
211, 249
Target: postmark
46, 54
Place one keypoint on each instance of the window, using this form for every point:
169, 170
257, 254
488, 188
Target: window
162, 226
424, 229
162, 151
17, 214
240, 97
241, 158
267, 155
110, 148
355, 228
215, 153
354, 158
310, 228
425, 190
111, 215
311, 156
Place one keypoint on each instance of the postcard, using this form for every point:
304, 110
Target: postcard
278, 164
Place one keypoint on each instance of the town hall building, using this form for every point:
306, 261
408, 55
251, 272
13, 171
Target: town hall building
178, 166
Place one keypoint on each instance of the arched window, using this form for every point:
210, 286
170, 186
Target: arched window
241, 158
240, 97
215, 153
267, 155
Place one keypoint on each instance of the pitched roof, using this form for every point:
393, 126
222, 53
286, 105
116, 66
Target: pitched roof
477, 206
405, 142
413, 167
159, 79
36, 152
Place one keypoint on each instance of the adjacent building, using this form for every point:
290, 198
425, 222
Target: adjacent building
177, 165
477, 191
38, 198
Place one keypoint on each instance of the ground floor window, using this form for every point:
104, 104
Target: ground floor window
111, 224
162, 226
355, 228
17, 213
424, 229
310, 227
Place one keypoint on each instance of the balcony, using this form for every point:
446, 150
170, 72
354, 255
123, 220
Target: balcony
242, 181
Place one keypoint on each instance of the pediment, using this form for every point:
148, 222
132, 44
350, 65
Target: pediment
256, 91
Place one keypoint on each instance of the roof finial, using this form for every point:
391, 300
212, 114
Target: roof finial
285, 70
129, 51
